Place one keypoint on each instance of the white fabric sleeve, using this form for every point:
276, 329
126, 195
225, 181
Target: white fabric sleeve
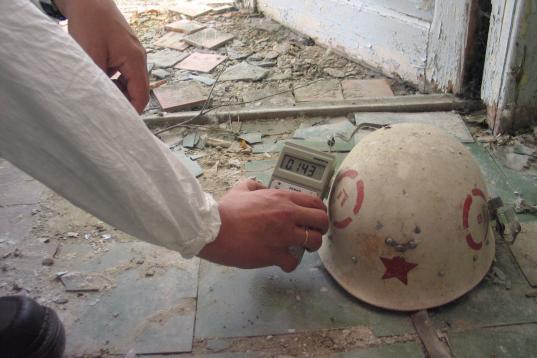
67, 125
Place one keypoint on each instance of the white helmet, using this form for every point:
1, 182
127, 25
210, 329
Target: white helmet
409, 220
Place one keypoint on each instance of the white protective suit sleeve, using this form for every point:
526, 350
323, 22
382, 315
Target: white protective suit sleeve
66, 124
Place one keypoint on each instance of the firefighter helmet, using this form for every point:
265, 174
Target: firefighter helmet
409, 221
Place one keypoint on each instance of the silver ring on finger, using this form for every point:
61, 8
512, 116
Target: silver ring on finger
307, 237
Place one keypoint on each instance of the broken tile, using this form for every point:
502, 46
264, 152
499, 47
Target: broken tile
201, 62
269, 96
192, 166
251, 138
451, 122
191, 10
334, 72
353, 89
83, 282
165, 58
525, 251
203, 79
191, 140
234, 54
320, 91
184, 95
185, 26
173, 40
244, 72
222, 8
160, 74
208, 38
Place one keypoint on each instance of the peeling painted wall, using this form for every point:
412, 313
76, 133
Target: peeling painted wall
510, 79
389, 34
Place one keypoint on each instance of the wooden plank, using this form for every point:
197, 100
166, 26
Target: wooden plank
449, 37
416, 103
428, 335
510, 76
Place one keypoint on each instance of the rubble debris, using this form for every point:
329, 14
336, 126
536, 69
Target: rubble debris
165, 58
191, 140
251, 138
334, 72
192, 10
184, 95
73, 234
173, 40
82, 282
244, 71
222, 9
235, 163
269, 96
238, 54
201, 62
185, 26
216, 142
47, 261
192, 166
366, 88
522, 206
61, 300
208, 38
319, 91
203, 79
160, 74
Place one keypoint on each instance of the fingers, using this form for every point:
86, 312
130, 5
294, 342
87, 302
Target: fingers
248, 185
135, 72
306, 200
287, 262
312, 218
299, 235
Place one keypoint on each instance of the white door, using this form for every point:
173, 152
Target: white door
422, 41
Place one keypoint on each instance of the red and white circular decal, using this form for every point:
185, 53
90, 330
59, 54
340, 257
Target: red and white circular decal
346, 200
475, 219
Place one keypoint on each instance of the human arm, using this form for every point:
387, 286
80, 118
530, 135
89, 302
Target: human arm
67, 125
101, 30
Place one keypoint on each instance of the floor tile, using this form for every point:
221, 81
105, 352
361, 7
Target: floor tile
449, 121
152, 314
173, 40
353, 89
208, 38
320, 91
236, 303
184, 95
396, 350
490, 304
184, 26
201, 62
500, 342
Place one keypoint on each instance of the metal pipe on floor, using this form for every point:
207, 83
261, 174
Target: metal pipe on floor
413, 103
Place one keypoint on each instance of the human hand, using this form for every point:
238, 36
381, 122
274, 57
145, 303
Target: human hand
259, 225
101, 30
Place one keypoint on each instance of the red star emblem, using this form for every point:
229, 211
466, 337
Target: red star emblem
397, 267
